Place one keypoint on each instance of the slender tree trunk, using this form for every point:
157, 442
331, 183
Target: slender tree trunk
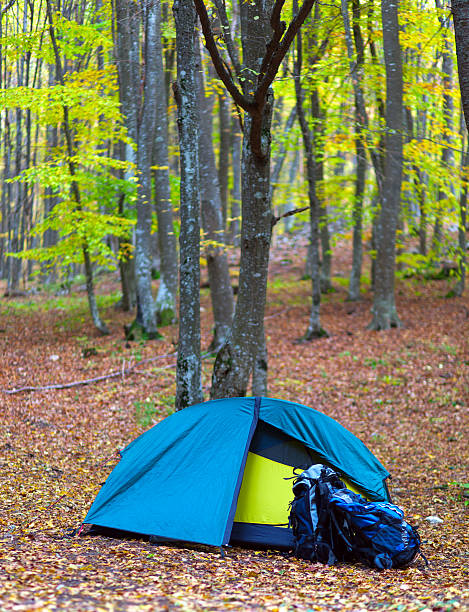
127, 50
447, 156
127, 262
282, 152
93, 306
6, 191
224, 120
14, 268
15, 245
166, 297
50, 198
188, 371
384, 308
236, 145
356, 70
212, 218
292, 177
357, 256
318, 155
145, 143
460, 10
314, 330
462, 226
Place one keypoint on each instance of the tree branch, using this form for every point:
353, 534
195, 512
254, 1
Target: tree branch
289, 213
7, 7
232, 51
282, 48
248, 105
278, 28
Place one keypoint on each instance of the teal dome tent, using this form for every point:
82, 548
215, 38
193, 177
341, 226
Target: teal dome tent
220, 472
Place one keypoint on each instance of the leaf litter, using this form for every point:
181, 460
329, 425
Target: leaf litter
405, 393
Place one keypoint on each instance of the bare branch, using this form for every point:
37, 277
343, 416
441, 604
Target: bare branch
87, 381
232, 51
278, 28
282, 48
248, 105
7, 7
289, 213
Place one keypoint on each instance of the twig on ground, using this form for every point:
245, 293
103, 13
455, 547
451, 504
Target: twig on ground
277, 314
87, 381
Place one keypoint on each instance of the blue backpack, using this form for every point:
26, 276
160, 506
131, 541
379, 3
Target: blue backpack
330, 523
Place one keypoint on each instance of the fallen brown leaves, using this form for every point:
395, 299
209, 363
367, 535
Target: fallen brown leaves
404, 392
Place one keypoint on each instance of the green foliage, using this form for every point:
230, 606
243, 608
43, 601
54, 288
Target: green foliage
89, 96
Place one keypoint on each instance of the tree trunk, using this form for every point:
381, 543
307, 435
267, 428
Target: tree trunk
188, 370
224, 120
99, 324
460, 10
462, 226
356, 70
314, 329
15, 245
127, 50
318, 156
6, 195
292, 178
145, 143
447, 156
235, 360
357, 256
236, 145
212, 218
384, 308
166, 298
265, 42
282, 152
48, 273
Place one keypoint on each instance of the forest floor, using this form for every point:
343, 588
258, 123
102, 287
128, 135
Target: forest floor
404, 392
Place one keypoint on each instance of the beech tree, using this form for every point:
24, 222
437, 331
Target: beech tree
384, 307
460, 9
221, 291
265, 40
188, 370
315, 330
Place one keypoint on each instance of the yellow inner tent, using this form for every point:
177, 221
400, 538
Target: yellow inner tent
266, 492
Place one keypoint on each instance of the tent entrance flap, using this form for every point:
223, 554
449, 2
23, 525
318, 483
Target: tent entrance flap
265, 492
